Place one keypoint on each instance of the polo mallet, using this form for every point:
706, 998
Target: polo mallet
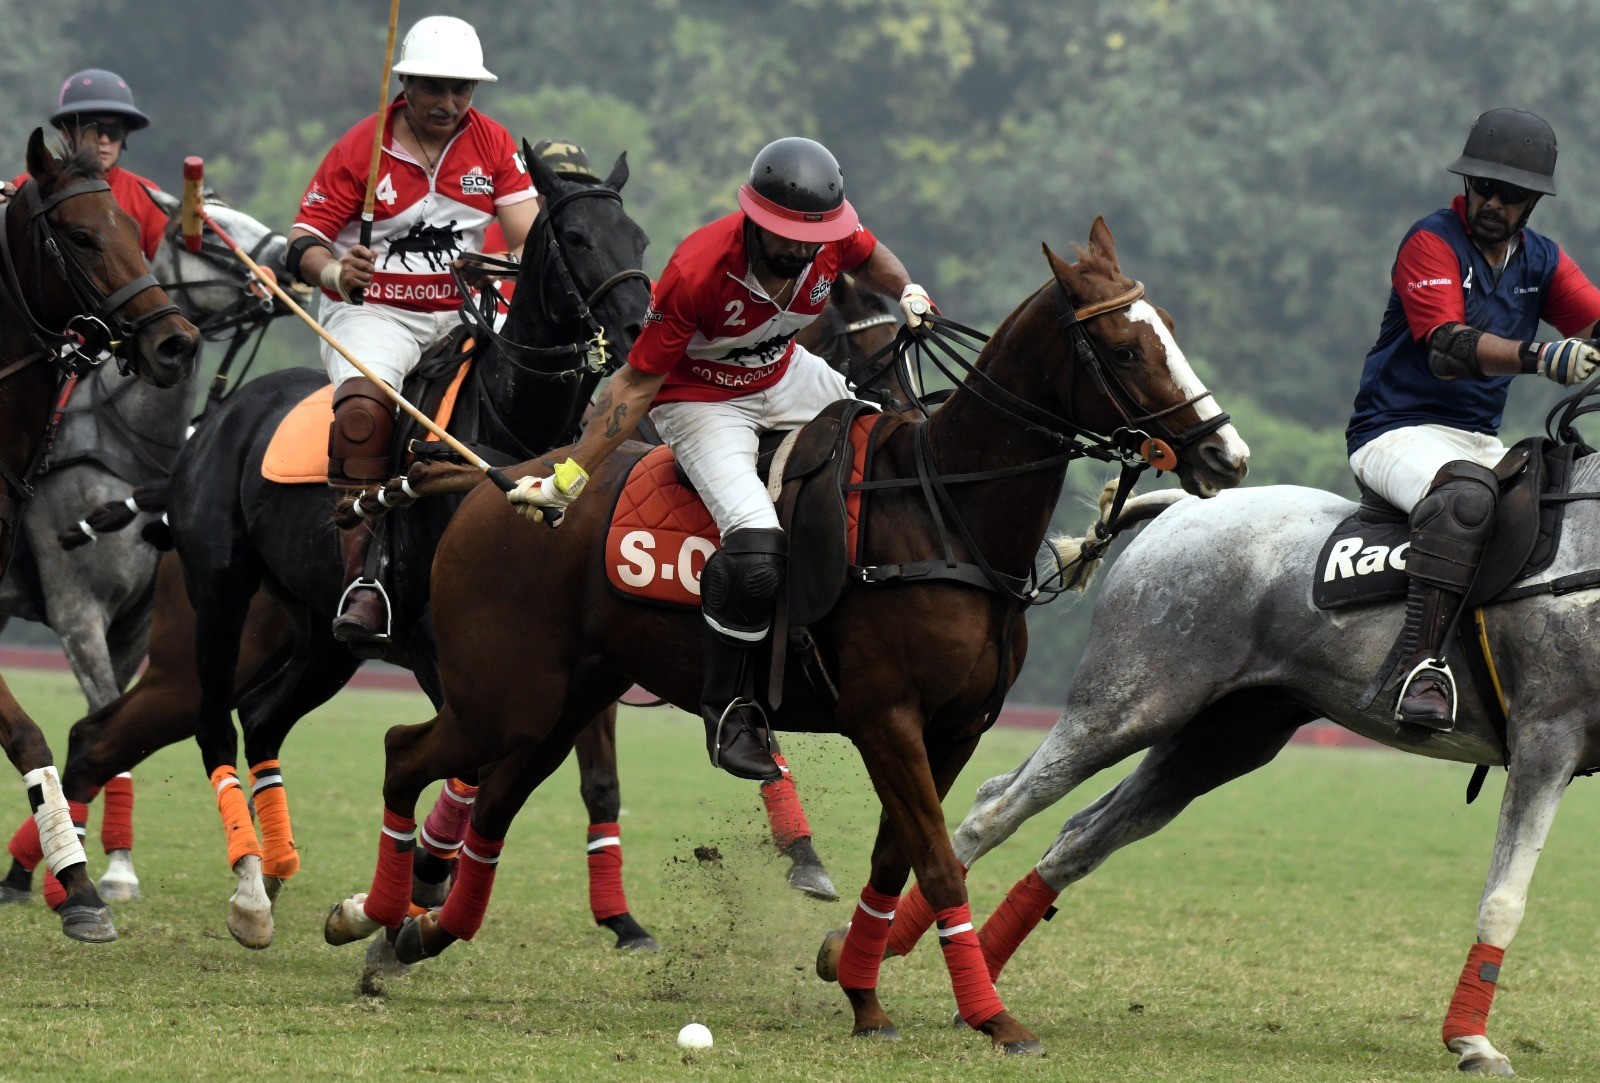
368, 205
503, 483
189, 215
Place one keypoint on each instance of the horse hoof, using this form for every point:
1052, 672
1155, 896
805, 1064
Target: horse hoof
631, 936
251, 927
813, 880
120, 883
9, 894
889, 1033
274, 888
828, 954
1479, 1064
408, 944
1032, 1048
347, 922
382, 961
87, 924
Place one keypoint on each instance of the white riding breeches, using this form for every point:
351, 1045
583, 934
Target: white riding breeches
1400, 465
715, 442
389, 341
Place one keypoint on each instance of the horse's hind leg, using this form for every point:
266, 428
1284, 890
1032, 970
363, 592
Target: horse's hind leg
601, 790
791, 834
1543, 758
83, 915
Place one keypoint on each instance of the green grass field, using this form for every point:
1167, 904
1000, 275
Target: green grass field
1307, 923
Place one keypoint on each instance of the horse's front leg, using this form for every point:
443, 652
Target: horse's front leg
601, 789
1542, 763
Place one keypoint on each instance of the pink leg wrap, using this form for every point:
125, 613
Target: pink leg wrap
1024, 906
606, 897
784, 813
390, 895
442, 831
468, 901
25, 846
116, 825
1469, 1007
862, 954
976, 999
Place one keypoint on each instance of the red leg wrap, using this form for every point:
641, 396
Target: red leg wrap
468, 901
237, 827
390, 894
976, 998
25, 846
1022, 909
606, 897
116, 824
862, 954
447, 822
54, 893
279, 855
1469, 1008
914, 919
784, 813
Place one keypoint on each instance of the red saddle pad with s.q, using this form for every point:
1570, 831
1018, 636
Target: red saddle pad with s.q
661, 533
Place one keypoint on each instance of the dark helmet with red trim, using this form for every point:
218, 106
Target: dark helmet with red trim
97, 91
796, 190
1512, 146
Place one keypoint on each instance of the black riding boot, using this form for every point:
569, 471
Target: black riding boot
739, 591
1449, 528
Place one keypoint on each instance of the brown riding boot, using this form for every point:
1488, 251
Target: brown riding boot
363, 620
1428, 697
359, 447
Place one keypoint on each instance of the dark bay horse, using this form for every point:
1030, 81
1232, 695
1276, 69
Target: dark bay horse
118, 434
76, 290
1208, 708
533, 641
160, 708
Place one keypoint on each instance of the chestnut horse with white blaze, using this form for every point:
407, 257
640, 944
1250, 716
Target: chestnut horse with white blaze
533, 640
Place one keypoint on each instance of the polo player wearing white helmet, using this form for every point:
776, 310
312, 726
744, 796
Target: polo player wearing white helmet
447, 171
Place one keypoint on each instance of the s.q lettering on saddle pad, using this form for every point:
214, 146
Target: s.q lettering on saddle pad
661, 533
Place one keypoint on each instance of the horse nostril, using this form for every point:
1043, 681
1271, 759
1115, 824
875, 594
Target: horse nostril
177, 347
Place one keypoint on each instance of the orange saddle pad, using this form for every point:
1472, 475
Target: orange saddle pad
298, 451
661, 533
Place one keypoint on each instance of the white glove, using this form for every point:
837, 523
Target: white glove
531, 497
1567, 361
915, 304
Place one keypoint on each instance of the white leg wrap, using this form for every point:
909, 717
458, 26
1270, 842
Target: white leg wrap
58, 839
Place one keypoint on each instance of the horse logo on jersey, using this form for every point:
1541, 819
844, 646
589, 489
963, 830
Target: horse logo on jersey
820, 291
475, 183
437, 244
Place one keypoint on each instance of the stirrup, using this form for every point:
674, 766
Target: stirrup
765, 733
1439, 666
363, 583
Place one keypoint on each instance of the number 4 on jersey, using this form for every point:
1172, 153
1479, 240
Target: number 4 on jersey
385, 191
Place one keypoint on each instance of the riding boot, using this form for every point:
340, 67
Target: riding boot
739, 591
360, 444
1449, 528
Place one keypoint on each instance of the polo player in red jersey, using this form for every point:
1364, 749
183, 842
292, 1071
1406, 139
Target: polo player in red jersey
716, 366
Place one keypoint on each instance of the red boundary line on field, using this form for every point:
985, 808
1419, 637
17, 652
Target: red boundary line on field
394, 679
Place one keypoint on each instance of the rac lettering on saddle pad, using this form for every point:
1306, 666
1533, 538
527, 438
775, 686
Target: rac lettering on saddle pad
1353, 556
1361, 562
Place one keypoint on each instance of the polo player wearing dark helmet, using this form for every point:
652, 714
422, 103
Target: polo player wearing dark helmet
1469, 288
716, 366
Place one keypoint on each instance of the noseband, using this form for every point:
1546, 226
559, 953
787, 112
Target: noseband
99, 329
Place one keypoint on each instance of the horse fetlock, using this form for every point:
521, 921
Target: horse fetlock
1479, 1056
1009, 1036
871, 1021
119, 883
347, 921
1500, 915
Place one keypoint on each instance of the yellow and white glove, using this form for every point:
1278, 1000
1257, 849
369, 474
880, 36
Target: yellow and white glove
915, 304
535, 498
1567, 361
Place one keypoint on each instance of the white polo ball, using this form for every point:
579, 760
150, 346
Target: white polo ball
694, 1036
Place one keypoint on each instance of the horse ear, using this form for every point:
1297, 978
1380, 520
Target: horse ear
1065, 273
1100, 238
42, 165
619, 173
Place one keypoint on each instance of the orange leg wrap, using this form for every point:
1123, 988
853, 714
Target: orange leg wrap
279, 855
1469, 1008
237, 827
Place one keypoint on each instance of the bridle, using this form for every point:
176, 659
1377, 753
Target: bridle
99, 329
590, 355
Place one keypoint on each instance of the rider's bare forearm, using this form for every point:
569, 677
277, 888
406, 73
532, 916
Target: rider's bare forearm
616, 415
882, 272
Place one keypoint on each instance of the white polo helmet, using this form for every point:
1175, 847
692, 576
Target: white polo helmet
443, 47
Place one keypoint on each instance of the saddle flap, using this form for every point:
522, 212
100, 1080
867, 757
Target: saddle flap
814, 512
1516, 520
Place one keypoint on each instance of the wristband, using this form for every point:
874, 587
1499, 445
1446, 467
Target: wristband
570, 478
1528, 354
331, 273
297, 252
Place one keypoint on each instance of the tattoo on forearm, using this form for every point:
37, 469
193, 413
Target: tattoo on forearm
614, 422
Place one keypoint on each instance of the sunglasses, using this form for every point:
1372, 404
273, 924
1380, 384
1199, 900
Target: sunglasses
1510, 194
110, 128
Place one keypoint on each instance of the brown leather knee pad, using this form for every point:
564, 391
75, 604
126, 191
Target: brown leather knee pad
361, 439
1451, 525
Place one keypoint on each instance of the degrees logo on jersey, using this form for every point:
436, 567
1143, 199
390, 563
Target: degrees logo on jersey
476, 183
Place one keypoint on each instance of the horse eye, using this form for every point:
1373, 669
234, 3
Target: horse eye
82, 238
1125, 355
575, 239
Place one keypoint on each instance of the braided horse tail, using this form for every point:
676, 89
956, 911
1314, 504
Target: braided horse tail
1080, 557
424, 479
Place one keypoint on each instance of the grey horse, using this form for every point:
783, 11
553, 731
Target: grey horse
1206, 650
117, 433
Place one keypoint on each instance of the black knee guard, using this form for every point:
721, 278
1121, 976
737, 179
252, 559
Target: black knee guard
740, 584
1451, 525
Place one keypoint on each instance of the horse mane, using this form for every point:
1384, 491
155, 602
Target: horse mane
77, 163
1586, 474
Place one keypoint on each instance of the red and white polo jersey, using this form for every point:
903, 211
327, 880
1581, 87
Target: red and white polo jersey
420, 223
714, 331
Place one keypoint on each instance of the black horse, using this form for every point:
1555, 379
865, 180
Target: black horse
235, 531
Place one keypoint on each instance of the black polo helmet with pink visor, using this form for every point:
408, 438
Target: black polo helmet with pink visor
796, 190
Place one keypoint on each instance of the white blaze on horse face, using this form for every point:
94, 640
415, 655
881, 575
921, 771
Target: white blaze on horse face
1142, 311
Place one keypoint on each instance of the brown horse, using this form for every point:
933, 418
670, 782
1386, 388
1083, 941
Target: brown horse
533, 640
75, 290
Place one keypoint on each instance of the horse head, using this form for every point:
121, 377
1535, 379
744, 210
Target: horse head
212, 287
97, 288
1141, 387
854, 329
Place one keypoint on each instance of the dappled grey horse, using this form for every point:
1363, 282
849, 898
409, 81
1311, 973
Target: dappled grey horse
1206, 650
118, 433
